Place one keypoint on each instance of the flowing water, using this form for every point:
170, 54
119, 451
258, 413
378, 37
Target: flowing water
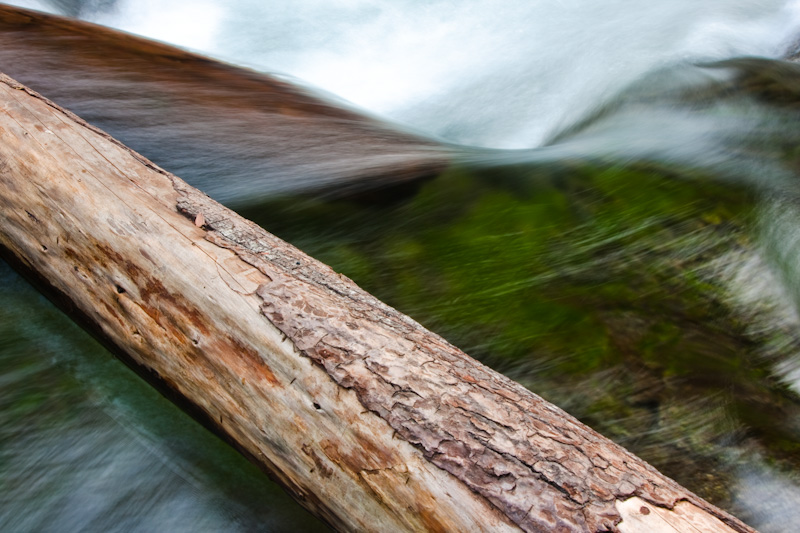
619, 231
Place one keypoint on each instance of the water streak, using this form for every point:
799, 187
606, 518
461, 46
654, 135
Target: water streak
498, 73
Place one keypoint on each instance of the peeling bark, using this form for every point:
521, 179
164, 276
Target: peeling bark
368, 419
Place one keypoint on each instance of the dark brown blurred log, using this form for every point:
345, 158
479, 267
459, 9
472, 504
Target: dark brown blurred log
183, 109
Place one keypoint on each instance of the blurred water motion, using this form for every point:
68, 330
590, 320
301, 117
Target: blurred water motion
238, 135
634, 260
86, 445
498, 73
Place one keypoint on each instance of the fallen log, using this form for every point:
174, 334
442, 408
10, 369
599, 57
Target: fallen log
289, 138
369, 420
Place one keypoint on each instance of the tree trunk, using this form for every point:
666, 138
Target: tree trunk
369, 420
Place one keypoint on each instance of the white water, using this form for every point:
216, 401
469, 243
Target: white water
495, 73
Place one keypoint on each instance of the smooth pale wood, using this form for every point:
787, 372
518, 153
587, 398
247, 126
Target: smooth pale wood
369, 420
639, 516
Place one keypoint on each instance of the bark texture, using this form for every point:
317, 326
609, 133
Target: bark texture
368, 419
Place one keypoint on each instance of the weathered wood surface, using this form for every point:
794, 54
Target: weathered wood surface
288, 138
369, 420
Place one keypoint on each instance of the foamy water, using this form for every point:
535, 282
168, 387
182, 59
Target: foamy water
504, 74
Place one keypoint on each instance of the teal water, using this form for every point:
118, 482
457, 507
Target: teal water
86, 445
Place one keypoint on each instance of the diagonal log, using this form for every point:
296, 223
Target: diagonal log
369, 420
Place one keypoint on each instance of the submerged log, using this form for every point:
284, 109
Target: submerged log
369, 420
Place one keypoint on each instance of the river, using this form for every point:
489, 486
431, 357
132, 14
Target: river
617, 231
